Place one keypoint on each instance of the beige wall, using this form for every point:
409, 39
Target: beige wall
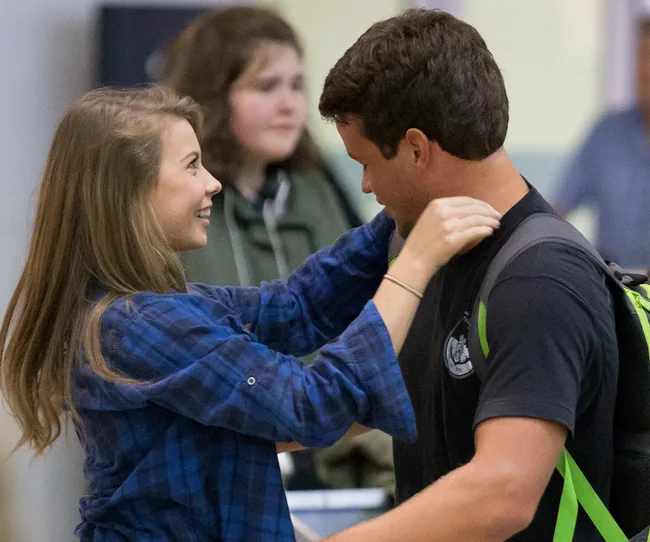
551, 56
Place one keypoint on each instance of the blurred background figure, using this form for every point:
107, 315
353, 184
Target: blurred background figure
280, 202
611, 172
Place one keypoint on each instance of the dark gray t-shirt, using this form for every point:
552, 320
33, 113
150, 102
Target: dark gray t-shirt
553, 355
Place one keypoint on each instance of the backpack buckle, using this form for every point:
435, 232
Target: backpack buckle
626, 277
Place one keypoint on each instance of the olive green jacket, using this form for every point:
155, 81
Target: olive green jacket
253, 242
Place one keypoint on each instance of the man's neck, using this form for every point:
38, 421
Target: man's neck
494, 180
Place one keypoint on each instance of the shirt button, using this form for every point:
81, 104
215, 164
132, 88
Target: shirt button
251, 380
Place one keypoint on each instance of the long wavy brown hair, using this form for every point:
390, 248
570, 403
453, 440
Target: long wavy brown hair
204, 62
94, 224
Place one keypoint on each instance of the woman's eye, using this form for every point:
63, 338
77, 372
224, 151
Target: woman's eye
298, 84
194, 164
266, 86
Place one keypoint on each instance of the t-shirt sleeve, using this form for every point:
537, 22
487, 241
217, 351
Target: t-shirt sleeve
542, 336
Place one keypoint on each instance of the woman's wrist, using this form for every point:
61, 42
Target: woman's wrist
417, 293
412, 271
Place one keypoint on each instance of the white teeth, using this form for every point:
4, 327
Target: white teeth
204, 213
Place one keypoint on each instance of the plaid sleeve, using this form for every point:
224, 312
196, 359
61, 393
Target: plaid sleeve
321, 298
219, 376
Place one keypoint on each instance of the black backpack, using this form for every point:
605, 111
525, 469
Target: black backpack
630, 491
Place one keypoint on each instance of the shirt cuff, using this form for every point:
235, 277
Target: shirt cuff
381, 227
376, 366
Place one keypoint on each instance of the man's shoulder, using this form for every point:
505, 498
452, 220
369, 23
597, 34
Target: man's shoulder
551, 277
557, 261
551, 255
553, 294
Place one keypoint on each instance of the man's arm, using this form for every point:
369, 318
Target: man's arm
491, 498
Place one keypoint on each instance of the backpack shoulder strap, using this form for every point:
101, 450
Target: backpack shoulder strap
537, 228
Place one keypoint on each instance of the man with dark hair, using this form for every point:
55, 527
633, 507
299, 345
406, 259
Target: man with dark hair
611, 172
420, 102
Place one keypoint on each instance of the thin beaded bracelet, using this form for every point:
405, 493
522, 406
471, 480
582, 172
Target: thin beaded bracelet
404, 285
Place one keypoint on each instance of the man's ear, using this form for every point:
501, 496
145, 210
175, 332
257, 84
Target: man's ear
419, 146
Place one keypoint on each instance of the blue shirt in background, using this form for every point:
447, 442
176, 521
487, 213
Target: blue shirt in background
190, 454
612, 173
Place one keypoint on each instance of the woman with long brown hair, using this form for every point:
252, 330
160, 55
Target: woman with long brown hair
179, 391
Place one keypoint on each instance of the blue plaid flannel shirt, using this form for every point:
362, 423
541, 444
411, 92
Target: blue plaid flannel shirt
189, 454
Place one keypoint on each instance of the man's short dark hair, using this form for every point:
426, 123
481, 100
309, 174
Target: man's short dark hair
422, 69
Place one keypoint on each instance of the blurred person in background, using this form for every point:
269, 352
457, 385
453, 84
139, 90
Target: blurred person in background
611, 172
279, 203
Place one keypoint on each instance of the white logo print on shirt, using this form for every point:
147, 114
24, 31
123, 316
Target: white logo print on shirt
456, 353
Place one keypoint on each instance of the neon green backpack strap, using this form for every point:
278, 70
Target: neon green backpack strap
576, 489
